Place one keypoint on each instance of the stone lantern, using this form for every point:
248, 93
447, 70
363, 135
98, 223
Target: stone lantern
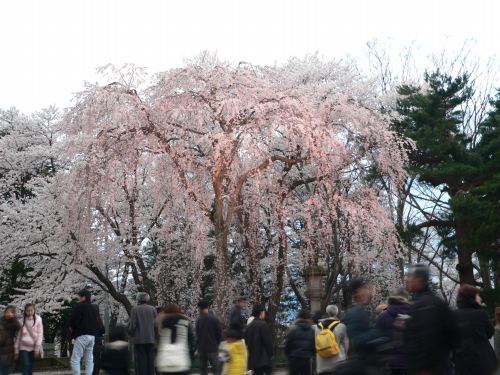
314, 276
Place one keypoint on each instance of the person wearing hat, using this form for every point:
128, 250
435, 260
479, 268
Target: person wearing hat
392, 322
85, 324
431, 332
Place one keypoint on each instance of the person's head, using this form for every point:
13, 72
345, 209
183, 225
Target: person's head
142, 298
233, 335
418, 278
172, 308
332, 311
9, 312
119, 333
380, 308
497, 315
242, 302
399, 296
304, 315
29, 310
83, 296
317, 316
203, 307
259, 312
362, 291
468, 294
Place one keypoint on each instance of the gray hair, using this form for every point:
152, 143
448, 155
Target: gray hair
332, 311
142, 297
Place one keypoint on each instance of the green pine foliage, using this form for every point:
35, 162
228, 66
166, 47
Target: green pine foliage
447, 158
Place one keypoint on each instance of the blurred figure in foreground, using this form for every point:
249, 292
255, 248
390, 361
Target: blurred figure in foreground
392, 323
299, 345
9, 325
234, 354
176, 346
260, 343
474, 356
325, 365
431, 332
361, 331
497, 333
115, 357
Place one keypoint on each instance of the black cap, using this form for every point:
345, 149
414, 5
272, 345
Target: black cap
203, 304
257, 309
84, 293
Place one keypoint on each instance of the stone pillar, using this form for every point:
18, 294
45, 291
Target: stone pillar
314, 276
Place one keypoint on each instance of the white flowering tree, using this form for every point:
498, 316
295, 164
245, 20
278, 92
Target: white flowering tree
268, 170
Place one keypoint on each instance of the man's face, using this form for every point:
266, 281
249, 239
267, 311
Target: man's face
242, 304
81, 298
9, 314
415, 284
365, 294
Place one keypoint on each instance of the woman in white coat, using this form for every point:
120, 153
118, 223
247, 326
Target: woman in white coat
176, 344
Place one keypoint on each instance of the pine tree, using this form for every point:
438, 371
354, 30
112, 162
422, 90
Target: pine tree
443, 156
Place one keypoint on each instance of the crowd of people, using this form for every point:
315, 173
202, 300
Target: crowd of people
416, 332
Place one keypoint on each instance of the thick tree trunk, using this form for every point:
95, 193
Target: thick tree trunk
223, 292
465, 266
279, 276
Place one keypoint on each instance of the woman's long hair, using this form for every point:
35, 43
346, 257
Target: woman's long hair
34, 313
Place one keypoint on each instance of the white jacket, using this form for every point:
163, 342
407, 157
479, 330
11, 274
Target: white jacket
174, 356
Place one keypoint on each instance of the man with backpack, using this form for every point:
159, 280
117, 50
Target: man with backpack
299, 345
331, 342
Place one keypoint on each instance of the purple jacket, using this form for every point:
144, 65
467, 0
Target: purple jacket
391, 323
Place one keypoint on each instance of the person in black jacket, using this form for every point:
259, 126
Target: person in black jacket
208, 336
9, 326
85, 324
259, 343
237, 320
431, 331
115, 357
300, 346
474, 356
361, 329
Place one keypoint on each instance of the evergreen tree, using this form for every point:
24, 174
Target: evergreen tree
478, 208
444, 156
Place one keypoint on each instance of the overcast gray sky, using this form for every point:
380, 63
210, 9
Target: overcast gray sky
49, 47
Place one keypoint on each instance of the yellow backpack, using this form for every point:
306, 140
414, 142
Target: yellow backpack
327, 345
